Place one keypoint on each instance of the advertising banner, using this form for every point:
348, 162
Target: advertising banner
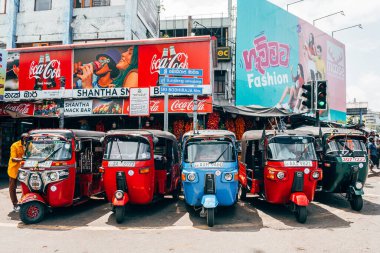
46, 109
38, 75
18, 109
93, 107
174, 56
3, 71
277, 53
105, 72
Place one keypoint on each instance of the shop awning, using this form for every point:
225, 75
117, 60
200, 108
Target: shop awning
255, 111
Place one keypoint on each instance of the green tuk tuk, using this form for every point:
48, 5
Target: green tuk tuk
342, 155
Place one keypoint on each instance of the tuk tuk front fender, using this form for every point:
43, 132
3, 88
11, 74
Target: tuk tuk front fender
299, 198
354, 191
31, 197
120, 202
209, 201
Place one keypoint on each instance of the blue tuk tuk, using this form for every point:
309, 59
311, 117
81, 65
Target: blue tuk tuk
209, 170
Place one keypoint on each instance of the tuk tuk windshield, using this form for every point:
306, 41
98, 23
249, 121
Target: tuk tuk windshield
298, 148
210, 151
48, 149
127, 148
345, 146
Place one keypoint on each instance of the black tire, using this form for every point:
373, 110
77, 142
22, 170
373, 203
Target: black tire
242, 192
119, 213
301, 214
32, 212
356, 202
210, 217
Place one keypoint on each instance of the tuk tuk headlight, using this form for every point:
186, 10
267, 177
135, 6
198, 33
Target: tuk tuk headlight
119, 195
358, 185
53, 176
315, 175
35, 182
191, 177
280, 175
228, 176
22, 175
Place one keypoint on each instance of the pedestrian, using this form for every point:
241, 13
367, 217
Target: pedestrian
372, 152
17, 152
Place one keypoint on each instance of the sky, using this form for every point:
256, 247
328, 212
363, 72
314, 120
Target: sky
362, 45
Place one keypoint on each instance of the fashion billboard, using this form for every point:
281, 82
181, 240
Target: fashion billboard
277, 53
38, 75
3, 68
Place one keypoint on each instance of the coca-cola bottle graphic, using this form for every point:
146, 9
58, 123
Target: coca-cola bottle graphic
39, 79
95, 64
50, 82
174, 63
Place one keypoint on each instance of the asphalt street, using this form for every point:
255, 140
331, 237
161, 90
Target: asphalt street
171, 226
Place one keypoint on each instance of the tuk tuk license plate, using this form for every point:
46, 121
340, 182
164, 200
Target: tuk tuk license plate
353, 159
121, 164
298, 163
30, 163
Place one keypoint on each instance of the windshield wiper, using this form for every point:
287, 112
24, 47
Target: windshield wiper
118, 148
50, 155
217, 159
303, 152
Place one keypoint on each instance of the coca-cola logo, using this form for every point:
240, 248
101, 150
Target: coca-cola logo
154, 105
178, 60
179, 105
49, 70
20, 108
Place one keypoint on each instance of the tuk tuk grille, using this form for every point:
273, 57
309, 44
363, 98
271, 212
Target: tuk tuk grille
298, 181
209, 184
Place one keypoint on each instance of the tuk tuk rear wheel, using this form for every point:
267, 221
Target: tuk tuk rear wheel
210, 217
32, 212
301, 214
242, 192
119, 213
356, 202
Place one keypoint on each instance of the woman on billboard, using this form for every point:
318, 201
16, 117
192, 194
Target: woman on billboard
294, 91
128, 69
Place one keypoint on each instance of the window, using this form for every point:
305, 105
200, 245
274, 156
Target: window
42, 5
219, 81
91, 3
2, 6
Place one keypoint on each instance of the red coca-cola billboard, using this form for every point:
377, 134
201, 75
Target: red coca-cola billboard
194, 55
176, 105
45, 70
22, 109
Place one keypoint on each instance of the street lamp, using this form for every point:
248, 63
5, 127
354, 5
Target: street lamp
359, 25
287, 6
339, 12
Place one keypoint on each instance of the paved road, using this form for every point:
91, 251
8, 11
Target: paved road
169, 226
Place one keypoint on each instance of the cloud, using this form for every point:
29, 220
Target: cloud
366, 90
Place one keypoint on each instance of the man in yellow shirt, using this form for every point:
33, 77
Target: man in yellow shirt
17, 152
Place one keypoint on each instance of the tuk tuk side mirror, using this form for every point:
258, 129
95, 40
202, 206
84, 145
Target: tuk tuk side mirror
155, 140
78, 146
101, 140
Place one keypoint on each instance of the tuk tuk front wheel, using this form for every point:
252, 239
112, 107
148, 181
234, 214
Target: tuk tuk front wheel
119, 213
32, 212
177, 192
210, 217
356, 202
301, 214
242, 192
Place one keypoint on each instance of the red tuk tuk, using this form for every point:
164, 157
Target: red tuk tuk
60, 168
140, 166
282, 167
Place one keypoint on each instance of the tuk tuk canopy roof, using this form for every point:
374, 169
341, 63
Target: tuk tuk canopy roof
328, 130
258, 134
70, 133
209, 132
153, 132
